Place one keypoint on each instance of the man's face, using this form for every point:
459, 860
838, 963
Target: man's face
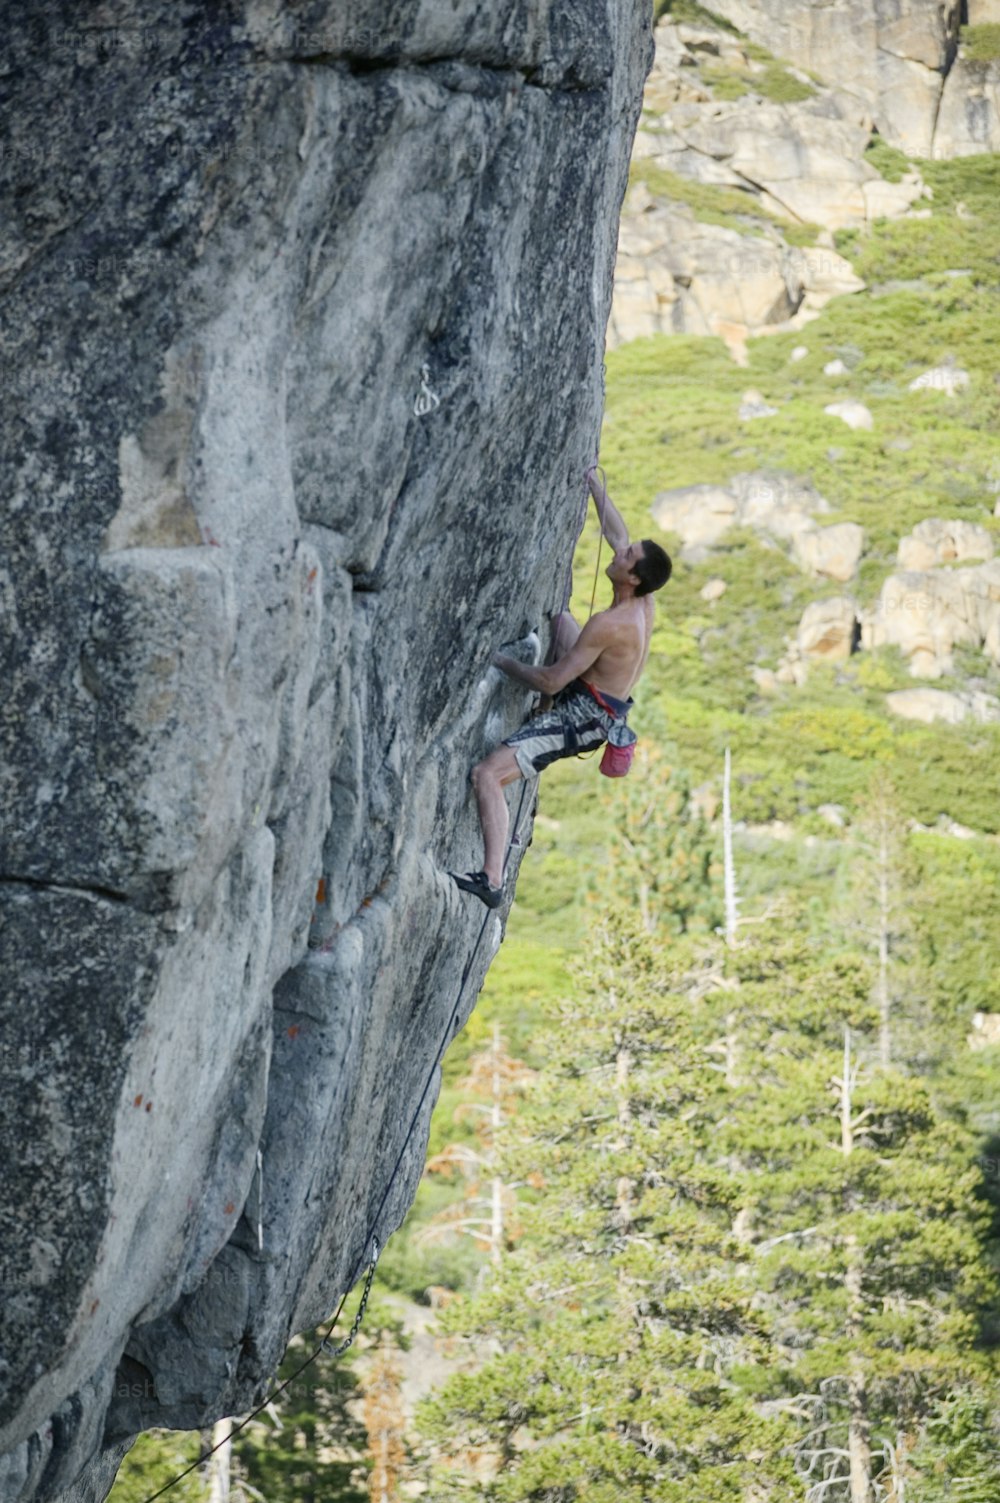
622, 565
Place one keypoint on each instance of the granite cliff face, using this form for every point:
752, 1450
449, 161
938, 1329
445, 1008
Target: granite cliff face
304, 317
900, 58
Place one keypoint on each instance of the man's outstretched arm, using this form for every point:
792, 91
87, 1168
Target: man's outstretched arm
585, 651
608, 515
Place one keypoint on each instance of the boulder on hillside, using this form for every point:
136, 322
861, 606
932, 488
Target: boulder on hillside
855, 414
775, 504
832, 552
827, 628
826, 632
823, 273
947, 378
940, 541
699, 514
778, 504
926, 614
930, 705
776, 501
985, 1030
885, 200
675, 275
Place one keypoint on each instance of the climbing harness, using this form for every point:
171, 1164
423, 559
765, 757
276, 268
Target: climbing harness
372, 1240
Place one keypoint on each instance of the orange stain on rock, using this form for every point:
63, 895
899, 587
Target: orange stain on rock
321, 890
293, 1031
230, 1208
138, 1100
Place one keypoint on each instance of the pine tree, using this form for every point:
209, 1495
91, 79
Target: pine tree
864, 1231
663, 855
615, 1328
307, 1447
878, 912
384, 1422
957, 1460
493, 1081
156, 1458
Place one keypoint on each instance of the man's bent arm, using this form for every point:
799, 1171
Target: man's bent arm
586, 650
535, 678
609, 516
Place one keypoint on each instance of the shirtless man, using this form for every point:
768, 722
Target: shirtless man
611, 651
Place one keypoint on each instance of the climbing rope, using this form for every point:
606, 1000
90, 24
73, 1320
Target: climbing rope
600, 540
372, 1240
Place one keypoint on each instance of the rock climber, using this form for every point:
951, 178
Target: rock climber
611, 650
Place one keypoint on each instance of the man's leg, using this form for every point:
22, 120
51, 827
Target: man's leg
489, 779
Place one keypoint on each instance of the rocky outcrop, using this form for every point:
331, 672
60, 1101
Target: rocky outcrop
827, 632
675, 275
926, 614
892, 55
937, 540
930, 705
781, 507
777, 504
289, 322
803, 160
968, 120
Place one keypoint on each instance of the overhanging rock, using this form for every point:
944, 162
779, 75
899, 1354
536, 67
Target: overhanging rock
304, 318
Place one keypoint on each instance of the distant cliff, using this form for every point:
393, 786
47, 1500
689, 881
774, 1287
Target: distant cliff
901, 58
303, 322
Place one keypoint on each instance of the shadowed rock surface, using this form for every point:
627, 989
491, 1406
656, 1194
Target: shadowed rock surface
303, 328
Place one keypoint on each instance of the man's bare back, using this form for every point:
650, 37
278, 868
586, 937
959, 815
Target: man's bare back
619, 667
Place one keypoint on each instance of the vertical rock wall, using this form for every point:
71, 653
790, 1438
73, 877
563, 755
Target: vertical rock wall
249, 589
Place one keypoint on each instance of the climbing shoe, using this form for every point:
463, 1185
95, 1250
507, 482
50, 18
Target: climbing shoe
478, 883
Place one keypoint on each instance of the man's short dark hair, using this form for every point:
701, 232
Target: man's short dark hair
653, 569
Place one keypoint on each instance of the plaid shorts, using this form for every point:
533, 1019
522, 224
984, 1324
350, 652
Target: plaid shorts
575, 723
